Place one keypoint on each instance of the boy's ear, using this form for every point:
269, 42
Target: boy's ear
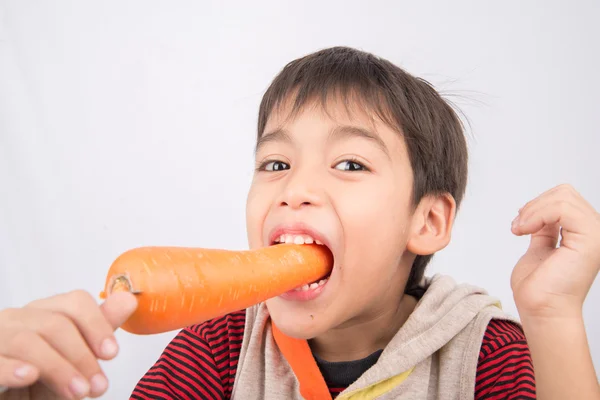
431, 226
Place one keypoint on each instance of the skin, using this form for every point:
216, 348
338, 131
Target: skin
374, 233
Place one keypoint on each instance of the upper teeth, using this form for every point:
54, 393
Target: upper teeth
296, 239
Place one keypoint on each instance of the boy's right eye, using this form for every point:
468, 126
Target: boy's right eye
273, 166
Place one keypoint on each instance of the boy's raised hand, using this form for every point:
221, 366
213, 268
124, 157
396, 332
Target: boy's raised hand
50, 348
550, 281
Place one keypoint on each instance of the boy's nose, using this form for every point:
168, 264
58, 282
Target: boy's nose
300, 192
296, 199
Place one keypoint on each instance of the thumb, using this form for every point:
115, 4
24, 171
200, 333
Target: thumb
118, 307
546, 238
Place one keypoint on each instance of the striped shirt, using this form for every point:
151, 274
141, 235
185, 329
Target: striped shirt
201, 363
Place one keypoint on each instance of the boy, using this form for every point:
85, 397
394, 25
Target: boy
354, 153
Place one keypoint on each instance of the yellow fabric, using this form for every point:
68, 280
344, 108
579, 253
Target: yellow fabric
377, 389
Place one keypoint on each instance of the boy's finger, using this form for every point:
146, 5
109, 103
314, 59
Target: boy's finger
547, 237
542, 197
558, 193
61, 333
561, 196
118, 307
86, 314
561, 213
16, 374
54, 371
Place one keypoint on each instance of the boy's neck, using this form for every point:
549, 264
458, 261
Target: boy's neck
358, 339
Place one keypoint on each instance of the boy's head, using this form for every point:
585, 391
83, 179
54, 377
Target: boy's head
355, 152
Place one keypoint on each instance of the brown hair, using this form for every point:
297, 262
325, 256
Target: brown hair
431, 129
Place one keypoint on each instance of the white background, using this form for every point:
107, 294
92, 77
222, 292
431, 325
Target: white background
127, 123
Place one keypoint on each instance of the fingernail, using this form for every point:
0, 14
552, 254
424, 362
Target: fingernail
98, 384
515, 221
109, 348
79, 387
23, 371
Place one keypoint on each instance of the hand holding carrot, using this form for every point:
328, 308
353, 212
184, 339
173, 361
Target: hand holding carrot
50, 348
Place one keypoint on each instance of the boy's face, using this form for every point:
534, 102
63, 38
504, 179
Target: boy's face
349, 181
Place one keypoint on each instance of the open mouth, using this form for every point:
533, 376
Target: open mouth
303, 239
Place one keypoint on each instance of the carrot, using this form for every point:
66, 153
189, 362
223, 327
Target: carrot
181, 286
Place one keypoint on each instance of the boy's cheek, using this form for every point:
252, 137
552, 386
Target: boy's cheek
256, 211
254, 235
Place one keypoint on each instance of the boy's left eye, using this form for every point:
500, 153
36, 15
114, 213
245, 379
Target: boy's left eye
349, 165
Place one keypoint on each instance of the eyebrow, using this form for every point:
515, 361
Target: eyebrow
278, 135
338, 133
349, 131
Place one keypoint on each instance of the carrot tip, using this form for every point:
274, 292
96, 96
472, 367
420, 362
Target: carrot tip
103, 295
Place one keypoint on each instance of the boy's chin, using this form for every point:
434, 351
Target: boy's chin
297, 325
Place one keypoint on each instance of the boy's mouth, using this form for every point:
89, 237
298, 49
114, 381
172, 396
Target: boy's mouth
301, 238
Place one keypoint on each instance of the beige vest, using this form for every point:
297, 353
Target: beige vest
433, 356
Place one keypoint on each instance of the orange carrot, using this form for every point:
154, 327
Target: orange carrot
178, 286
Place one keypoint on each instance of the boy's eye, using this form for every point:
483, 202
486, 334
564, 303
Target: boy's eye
275, 166
349, 165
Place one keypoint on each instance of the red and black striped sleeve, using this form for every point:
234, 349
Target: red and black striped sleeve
505, 369
199, 363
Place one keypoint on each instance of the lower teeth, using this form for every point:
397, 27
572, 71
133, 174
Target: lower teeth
313, 285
